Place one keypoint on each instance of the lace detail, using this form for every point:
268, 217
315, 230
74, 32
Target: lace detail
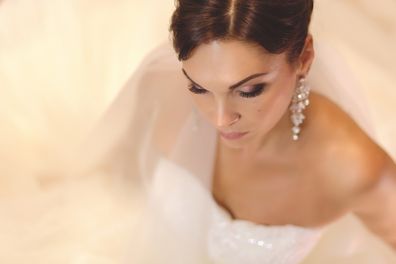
238, 241
228, 241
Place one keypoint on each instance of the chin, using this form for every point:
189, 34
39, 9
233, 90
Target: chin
232, 145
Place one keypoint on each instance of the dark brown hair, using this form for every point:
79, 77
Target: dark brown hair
275, 25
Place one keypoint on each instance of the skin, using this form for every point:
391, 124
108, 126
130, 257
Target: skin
266, 177
233, 61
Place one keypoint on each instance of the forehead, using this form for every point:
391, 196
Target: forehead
231, 59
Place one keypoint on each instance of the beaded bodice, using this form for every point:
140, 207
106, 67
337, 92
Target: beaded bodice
227, 240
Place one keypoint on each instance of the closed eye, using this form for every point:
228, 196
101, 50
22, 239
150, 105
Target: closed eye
256, 91
195, 89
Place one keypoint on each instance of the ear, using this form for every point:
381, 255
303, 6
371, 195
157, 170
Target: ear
306, 57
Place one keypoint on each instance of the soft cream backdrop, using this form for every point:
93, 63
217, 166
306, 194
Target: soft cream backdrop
61, 64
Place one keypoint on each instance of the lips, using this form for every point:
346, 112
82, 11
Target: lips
232, 135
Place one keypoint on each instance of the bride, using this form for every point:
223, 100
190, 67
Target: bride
245, 140
241, 155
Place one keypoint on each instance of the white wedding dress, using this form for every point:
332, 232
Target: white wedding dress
228, 240
121, 196
182, 223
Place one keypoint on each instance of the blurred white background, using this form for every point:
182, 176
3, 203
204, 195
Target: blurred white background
62, 62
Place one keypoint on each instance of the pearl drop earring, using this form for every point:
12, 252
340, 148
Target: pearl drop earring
299, 102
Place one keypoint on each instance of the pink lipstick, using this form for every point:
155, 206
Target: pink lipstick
233, 135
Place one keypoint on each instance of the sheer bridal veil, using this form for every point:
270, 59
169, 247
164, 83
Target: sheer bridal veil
128, 146
151, 124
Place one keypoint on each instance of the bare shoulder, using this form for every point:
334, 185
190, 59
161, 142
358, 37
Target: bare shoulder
350, 161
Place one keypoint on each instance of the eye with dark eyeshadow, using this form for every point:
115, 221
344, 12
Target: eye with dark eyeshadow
195, 89
257, 90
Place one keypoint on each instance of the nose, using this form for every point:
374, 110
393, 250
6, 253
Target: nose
225, 116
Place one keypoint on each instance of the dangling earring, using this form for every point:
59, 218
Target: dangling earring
299, 102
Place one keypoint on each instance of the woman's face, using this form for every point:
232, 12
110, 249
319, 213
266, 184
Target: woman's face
240, 88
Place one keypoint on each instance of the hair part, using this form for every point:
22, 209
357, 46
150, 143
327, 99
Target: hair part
276, 25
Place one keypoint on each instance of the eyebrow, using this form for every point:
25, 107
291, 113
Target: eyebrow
234, 86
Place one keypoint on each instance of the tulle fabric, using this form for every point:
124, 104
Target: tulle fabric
156, 94
103, 210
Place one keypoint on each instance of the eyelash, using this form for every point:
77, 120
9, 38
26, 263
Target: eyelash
258, 89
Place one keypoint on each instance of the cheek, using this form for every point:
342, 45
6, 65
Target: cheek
206, 106
203, 103
273, 107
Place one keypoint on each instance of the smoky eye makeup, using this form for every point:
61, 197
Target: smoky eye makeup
255, 90
194, 89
